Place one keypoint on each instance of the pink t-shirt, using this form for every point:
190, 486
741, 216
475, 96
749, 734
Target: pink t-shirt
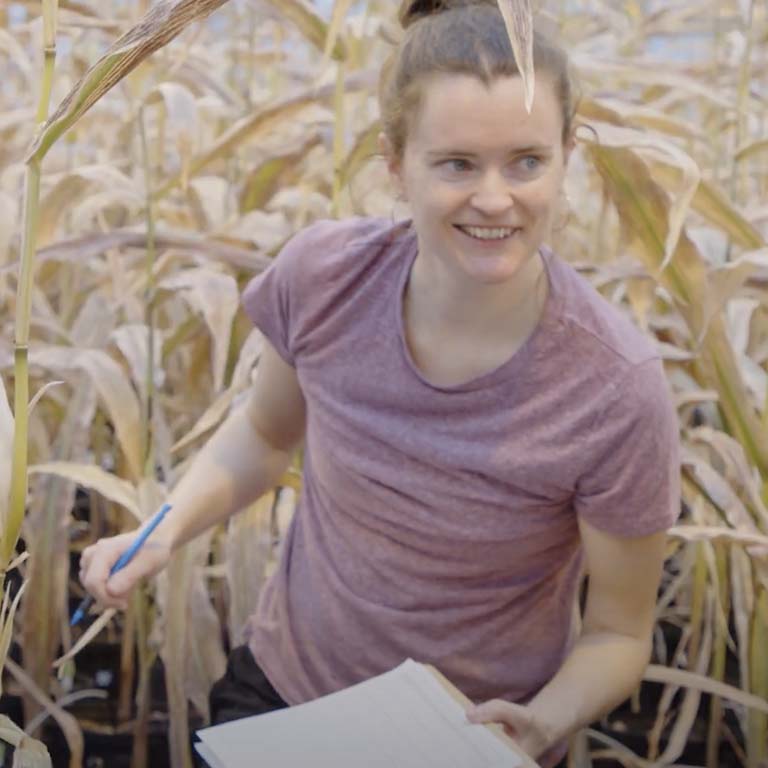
440, 523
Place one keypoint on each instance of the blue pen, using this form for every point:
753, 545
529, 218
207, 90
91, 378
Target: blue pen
124, 559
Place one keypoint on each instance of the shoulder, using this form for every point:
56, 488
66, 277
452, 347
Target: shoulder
331, 257
325, 255
598, 332
326, 242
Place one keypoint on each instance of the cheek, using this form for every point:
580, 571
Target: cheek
542, 196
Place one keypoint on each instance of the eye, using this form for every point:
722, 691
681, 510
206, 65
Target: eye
457, 164
530, 162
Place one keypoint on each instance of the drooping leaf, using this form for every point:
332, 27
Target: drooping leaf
114, 390
29, 753
518, 19
264, 121
95, 478
215, 295
161, 24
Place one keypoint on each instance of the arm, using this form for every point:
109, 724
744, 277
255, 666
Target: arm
245, 457
243, 460
608, 660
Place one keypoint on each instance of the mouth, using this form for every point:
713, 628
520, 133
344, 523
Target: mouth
488, 234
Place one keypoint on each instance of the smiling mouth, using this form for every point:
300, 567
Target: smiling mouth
487, 234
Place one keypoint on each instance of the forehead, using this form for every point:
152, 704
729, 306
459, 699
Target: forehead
461, 111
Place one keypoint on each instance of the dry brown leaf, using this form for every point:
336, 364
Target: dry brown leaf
247, 554
726, 281
742, 601
715, 207
72, 188
172, 586
93, 630
132, 341
94, 322
265, 121
686, 715
210, 419
717, 490
113, 388
665, 152
518, 19
95, 478
216, 295
69, 725
249, 354
28, 752
751, 149
703, 684
84, 248
738, 472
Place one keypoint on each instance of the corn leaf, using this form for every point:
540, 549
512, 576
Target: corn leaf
309, 23
264, 122
114, 390
29, 752
95, 478
215, 295
518, 19
162, 23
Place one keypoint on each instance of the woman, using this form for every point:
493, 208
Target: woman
479, 423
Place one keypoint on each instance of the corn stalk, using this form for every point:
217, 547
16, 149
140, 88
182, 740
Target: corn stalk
757, 735
158, 27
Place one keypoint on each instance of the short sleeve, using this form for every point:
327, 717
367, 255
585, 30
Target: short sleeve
632, 484
270, 299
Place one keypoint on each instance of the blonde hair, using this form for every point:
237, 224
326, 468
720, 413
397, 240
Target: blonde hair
459, 37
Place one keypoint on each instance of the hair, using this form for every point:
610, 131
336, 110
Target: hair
459, 37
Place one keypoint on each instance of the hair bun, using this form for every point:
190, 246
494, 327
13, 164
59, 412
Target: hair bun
413, 10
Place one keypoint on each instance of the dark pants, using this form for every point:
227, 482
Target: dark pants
244, 691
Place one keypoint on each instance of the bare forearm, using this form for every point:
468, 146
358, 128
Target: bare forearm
601, 671
234, 468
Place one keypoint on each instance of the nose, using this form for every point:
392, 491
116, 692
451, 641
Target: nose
493, 194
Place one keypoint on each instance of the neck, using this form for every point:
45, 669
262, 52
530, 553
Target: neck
458, 306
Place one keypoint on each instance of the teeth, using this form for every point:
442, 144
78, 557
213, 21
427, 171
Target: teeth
483, 233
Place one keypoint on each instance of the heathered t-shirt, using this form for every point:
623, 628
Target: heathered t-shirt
440, 522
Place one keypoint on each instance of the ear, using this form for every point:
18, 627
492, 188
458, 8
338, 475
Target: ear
394, 163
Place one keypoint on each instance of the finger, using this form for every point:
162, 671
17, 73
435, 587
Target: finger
496, 711
146, 563
120, 585
85, 557
95, 576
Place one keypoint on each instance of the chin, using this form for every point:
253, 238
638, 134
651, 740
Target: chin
493, 275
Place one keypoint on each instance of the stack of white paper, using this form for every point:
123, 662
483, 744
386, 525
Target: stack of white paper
401, 719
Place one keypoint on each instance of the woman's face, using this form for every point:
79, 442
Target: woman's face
482, 176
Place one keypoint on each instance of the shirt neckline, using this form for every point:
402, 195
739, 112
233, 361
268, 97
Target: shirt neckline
516, 361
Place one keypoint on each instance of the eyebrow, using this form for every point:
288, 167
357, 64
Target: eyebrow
540, 148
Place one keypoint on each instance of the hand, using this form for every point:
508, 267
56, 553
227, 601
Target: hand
97, 560
519, 723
